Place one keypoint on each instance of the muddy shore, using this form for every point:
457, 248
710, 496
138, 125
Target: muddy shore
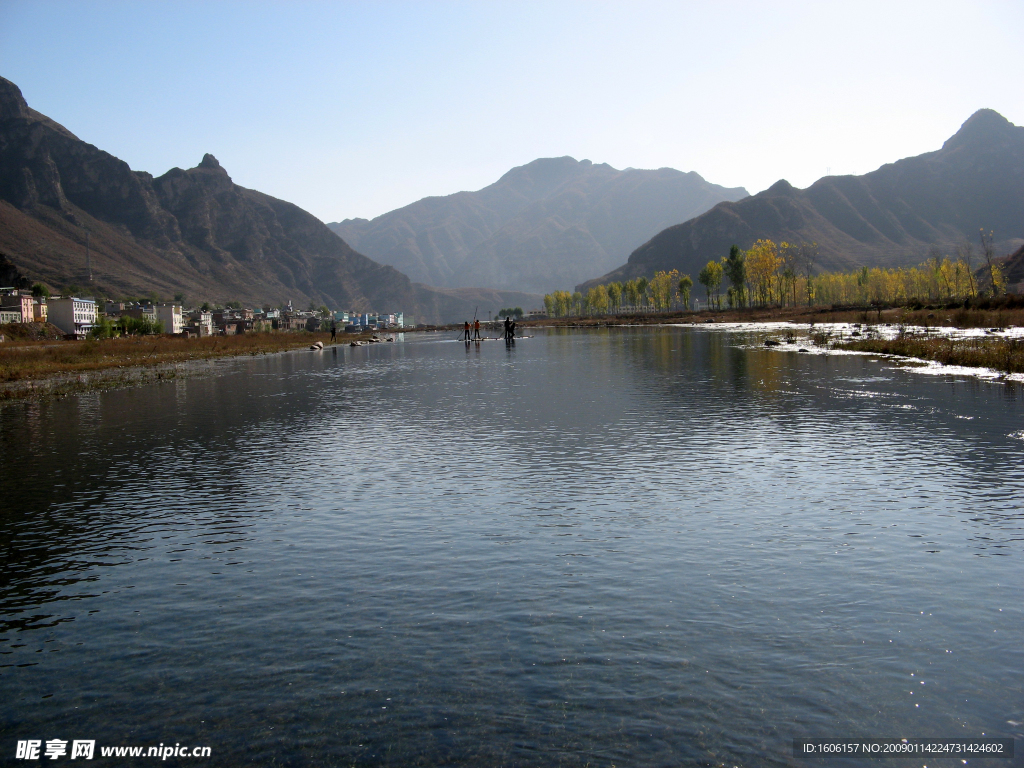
55, 368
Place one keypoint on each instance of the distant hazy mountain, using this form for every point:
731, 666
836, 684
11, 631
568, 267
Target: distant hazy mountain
192, 231
888, 217
541, 226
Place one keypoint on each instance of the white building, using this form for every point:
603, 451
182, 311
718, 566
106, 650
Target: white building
72, 315
170, 316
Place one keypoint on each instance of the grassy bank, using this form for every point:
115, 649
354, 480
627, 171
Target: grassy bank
999, 354
957, 317
46, 367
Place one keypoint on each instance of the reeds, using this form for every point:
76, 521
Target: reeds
999, 354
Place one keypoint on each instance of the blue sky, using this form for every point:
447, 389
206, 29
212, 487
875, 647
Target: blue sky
355, 108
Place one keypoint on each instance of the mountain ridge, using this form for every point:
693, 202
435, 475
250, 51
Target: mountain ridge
191, 231
891, 216
538, 225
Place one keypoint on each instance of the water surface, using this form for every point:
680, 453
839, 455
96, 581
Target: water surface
650, 547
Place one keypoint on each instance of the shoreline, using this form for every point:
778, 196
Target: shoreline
31, 370
985, 353
926, 316
957, 317
35, 369
942, 336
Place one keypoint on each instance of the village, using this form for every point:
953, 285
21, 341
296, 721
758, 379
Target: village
79, 318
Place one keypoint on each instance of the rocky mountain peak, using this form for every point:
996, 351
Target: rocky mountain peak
983, 127
210, 162
12, 103
212, 173
781, 187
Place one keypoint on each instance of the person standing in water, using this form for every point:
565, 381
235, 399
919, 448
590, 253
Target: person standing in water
334, 330
465, 331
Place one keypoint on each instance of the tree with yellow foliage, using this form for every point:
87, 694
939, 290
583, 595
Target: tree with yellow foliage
615, 295
662, 288
763, 263
685, 285
711, 278
597, 299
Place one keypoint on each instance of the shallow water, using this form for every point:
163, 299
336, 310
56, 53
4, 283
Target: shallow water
650, 547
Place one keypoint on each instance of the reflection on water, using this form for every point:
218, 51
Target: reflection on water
621, 546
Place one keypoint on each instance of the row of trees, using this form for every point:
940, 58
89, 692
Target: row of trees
105, 327
780, 274
766, 274
665, 290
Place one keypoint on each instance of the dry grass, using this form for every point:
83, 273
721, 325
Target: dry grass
950, 318
999, 354
29, 360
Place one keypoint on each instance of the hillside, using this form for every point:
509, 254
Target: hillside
541, 226
1013, 270
188, 231
889, 217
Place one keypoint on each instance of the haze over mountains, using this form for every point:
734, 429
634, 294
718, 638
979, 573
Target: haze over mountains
542, 226
892, 216
191, 231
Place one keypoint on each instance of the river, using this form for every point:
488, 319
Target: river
624, 546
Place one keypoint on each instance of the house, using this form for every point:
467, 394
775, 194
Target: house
227, 322
75, 316
140, 311
200, 323
20, 302
39, 310
293, 323
170, 316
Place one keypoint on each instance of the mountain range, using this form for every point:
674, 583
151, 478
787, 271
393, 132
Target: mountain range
64, 202
540, 227
67, 206
890, 217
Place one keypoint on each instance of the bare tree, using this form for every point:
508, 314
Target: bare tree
808, 255
989, 250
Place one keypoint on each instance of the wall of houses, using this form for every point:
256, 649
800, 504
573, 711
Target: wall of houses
73, 315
